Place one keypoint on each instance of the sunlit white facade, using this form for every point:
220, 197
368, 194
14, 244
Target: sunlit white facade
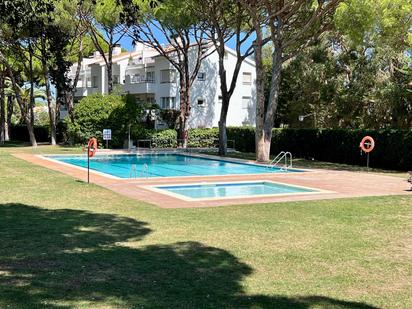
152, 78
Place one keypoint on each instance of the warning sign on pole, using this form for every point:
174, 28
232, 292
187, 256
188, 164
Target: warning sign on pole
107, 136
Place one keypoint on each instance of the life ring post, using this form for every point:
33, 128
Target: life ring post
91, 151
88, 163
367, 145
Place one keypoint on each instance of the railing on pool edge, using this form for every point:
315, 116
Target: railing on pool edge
144, 173
282, 156
145, 169
133, 172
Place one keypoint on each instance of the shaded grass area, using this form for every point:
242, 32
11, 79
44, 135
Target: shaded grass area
66, 244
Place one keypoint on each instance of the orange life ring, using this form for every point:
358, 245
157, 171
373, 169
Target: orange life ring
367, 144
92, 147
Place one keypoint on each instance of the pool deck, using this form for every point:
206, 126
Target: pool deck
340, 184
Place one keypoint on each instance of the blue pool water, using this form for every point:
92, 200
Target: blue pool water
239, 189
164, 165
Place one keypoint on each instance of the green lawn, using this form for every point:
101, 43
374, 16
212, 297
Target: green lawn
66, 244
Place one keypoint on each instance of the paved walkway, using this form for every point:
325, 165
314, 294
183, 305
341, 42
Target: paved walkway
342, 184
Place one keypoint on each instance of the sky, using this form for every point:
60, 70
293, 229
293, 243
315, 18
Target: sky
126, 41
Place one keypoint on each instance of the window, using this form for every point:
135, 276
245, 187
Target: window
89, 82
168, 102
246, 102
247, 78
168, 76
116, 79
94, 81
150, 77
201, 103
201, 76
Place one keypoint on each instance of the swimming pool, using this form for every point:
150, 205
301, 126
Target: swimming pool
208, 191
164, 165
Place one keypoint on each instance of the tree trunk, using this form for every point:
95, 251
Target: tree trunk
222, 137
110, 63
266, 139
68, 99
9, 114
52, 112
27, 119
184, 112
109, 72
260, 143
225, 90
20, 102
31, 76
69, 95
30, 129
2, 110
222, 125
225, 101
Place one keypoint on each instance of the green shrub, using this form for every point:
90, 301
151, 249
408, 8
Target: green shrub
244, 138
202, 138
164, 139
97, 112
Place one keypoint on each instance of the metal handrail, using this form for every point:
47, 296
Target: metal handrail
145, 169
283, 156
277, 158
133, 171
143, 173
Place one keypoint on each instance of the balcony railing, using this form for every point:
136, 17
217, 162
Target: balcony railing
140, 80
138, 62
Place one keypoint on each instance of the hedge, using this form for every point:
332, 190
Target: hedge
19, 133
393, 147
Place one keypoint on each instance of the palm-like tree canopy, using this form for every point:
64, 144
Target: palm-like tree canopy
24, 91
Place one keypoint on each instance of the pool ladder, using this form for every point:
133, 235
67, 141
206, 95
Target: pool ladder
144, 173
284, 160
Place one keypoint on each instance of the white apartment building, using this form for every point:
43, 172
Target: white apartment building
152, 78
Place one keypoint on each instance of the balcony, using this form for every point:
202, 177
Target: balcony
140, 63
139, 84
85, 91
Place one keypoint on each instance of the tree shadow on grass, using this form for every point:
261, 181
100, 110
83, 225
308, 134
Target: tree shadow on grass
14, 144
69, 258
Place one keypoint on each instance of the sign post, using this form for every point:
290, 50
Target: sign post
107, 136
88, 163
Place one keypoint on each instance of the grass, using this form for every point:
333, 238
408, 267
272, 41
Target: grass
66, 244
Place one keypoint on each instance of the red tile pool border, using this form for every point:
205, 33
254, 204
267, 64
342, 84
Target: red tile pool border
343, 184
